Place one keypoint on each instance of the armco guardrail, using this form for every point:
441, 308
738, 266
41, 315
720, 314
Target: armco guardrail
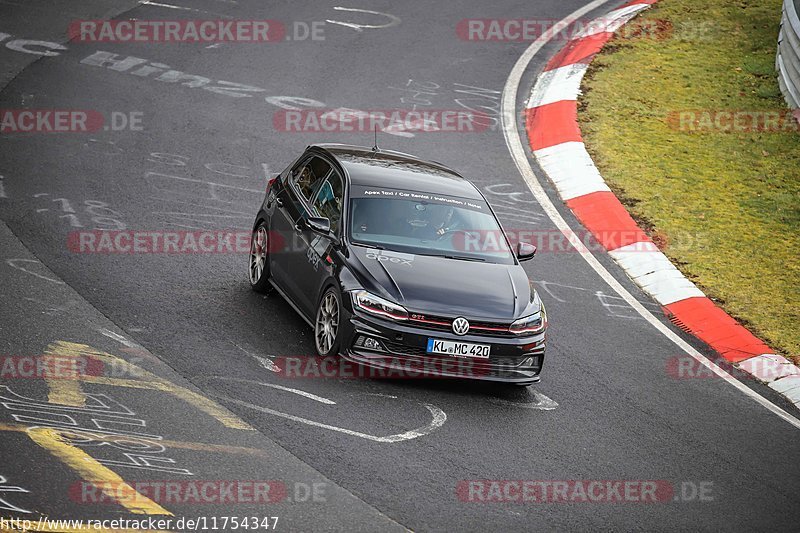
787, 60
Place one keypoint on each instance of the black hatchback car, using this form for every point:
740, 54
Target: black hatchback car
398, 264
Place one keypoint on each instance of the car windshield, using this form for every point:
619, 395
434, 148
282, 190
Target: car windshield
426, 224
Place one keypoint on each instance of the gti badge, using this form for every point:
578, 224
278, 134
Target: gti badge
460, 326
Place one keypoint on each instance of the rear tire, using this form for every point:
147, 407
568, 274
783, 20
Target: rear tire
258, 264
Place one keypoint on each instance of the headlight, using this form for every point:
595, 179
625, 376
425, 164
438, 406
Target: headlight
376, 305
530, 324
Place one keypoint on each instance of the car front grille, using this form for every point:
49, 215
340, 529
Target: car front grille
439, 323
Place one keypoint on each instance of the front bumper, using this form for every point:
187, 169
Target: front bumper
512, 359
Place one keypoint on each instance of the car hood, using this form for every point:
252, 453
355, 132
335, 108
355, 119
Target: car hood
449, 287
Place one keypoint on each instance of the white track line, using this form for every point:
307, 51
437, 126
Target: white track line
14, 264
519, 154
169, 6
119, 338
437, 421
263, 361
540, 402
299, 392
438, 417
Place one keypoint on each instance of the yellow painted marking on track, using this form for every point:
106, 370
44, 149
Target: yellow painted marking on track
92, 471
65, 392
12, 427
197, 400
62, 390
184, 445
149, 381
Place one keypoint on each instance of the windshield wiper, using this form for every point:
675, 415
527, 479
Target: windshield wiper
373, 246
458, 257
465, 258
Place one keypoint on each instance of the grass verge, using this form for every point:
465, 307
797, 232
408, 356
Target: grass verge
725, 201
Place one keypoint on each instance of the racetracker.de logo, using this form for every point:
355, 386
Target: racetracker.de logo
49, 367
310, 367
469, 240
549, 241
198, 492
176, 31
179, 492
67, 121
49, 121
158, 242
735, 121
629, 491
766, 368
352, 120
527, 30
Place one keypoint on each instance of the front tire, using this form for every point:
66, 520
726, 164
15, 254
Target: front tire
258, 264
327, 326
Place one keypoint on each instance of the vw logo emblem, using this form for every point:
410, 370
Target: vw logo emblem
460, 326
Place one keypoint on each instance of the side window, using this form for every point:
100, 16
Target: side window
309, 174
328, 202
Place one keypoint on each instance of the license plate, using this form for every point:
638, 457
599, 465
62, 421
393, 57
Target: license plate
458, 349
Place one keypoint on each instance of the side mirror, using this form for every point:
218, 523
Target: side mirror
525, 251
319, 225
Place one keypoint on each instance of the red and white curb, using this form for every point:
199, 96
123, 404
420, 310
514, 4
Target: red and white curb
555, 139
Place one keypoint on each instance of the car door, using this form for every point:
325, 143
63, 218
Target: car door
293, 203
312, 267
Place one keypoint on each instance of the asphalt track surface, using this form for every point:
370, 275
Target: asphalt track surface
607, 408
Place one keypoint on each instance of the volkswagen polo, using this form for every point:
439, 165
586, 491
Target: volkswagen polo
398, 263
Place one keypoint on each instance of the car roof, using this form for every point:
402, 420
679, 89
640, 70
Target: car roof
397, 170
